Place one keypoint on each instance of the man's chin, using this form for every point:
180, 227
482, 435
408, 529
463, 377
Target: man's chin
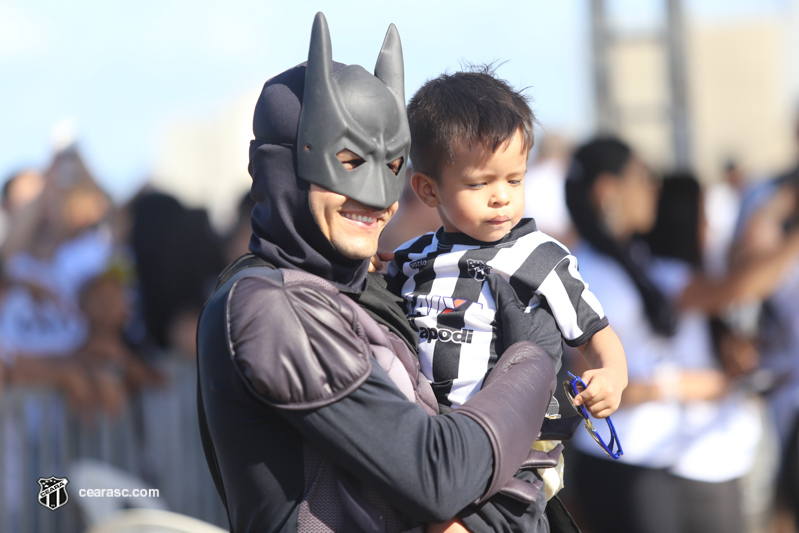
356, 253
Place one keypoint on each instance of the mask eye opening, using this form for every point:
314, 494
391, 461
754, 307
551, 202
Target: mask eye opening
396, 165
350, 159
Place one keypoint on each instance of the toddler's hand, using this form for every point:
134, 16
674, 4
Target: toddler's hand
376, 262
602, 394
453, 526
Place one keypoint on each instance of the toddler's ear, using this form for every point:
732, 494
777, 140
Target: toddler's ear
425, 188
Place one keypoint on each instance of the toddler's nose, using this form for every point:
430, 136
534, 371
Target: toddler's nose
501, 196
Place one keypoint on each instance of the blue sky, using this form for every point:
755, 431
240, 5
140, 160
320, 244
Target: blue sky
120, 72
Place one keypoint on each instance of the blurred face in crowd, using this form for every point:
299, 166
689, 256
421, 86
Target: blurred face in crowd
83, 207
627, 202
104, 303
351, 227
639, 194
22, 190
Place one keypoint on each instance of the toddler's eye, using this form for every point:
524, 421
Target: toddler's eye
476, 185
515, 182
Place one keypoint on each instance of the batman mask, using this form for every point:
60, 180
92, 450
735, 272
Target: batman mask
303, 118
351, 109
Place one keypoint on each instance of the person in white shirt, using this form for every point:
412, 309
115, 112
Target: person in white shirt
612, 197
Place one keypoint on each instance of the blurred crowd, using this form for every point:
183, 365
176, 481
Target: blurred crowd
700, 280
94, 296
98, 310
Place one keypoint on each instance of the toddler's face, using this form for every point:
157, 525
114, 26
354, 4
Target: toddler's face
482, 195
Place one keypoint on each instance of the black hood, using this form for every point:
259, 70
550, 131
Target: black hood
285, 232
325, 107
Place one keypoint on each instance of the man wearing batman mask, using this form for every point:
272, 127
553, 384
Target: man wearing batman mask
313, 413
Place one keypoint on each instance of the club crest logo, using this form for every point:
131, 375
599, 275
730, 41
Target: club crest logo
53, 492
478, 269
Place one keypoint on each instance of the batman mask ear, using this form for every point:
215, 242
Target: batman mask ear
390, 67
354, 110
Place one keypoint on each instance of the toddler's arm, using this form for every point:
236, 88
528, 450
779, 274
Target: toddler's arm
606, 378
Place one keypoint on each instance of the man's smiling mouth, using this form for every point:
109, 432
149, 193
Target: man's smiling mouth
360, 218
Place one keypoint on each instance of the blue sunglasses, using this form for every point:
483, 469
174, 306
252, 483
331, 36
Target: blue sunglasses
573, 388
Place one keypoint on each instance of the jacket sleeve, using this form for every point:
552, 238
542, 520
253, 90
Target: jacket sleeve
504, 514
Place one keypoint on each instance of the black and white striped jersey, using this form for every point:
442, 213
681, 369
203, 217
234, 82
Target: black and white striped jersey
442, 277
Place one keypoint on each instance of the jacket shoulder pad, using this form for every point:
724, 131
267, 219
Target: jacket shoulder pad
295, 346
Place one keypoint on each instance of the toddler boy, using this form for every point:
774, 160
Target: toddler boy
471, 134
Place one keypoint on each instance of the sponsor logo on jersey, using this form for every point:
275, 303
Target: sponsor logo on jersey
462, 336
432, 304
478, 269
419, 263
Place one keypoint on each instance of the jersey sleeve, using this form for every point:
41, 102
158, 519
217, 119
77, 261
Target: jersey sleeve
551, 273
577, 311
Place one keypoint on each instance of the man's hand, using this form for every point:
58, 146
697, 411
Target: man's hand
515, 324
376, 262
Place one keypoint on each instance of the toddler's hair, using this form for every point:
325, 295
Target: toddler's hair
464, 108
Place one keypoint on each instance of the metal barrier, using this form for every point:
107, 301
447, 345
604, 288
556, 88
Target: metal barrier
154, 438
